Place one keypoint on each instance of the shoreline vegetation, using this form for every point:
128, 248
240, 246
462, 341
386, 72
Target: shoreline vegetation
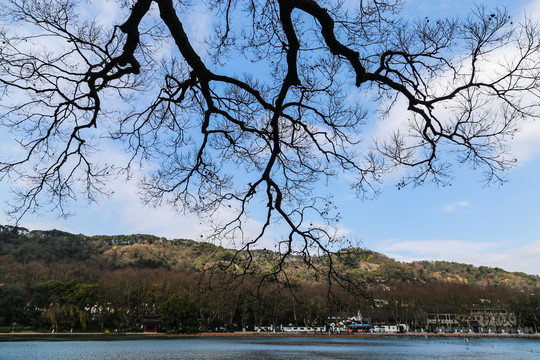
270, 334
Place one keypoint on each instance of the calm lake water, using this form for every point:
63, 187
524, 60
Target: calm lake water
57, 348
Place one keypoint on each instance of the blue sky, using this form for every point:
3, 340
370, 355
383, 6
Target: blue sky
466, 222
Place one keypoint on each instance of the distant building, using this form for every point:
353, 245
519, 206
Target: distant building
492, 320
445, 322
478, 320
303, 329
390, 329
150, 323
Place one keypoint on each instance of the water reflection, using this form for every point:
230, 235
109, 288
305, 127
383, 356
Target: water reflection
57, 348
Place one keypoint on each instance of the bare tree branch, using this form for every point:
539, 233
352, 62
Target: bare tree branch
218, 142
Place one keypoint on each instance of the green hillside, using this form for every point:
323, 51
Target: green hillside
146, 251
57, 279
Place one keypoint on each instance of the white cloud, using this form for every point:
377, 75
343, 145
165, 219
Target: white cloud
459, 204
494, 254
199, 27
135, 217
107, 12
532, 10
526, 144
124, 213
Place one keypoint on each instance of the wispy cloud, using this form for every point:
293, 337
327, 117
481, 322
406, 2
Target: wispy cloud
526, 144
495, 254
106, 12
199, 27
459, 204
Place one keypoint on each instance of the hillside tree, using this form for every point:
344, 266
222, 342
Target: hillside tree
178, 314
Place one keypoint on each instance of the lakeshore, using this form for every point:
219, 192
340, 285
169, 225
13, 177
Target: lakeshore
138, 335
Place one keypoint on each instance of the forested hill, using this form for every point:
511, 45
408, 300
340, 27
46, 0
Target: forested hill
67, 282
51, 250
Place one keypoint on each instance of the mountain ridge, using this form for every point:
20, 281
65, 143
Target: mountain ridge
149, 251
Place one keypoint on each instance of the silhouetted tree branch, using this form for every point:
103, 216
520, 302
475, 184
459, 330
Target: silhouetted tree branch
219, 143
